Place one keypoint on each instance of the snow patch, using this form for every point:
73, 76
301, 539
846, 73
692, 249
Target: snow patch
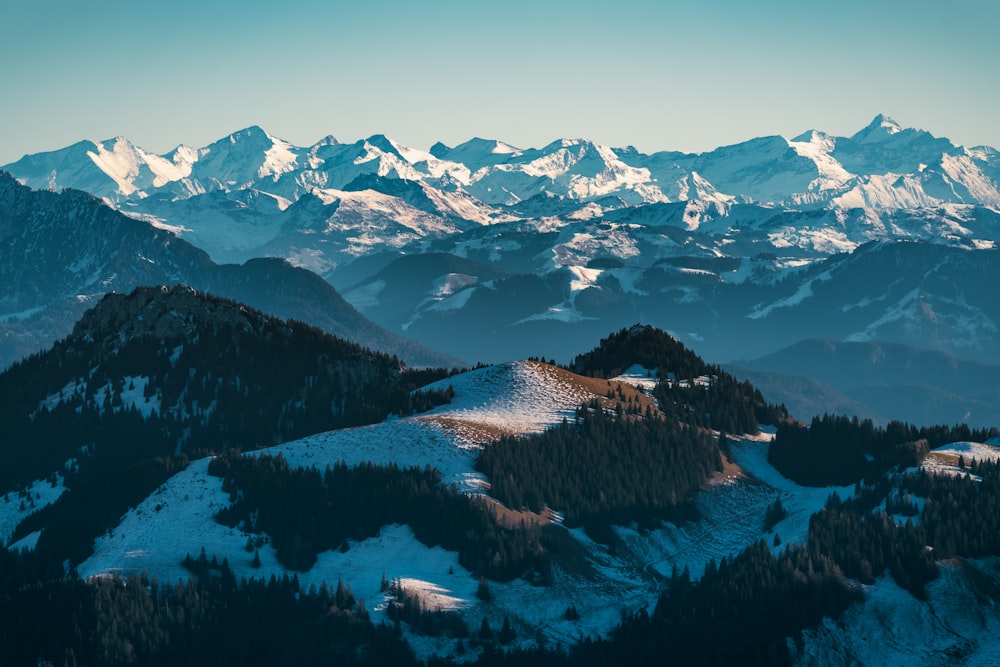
801, 294
16, 505
945, 459
639, 376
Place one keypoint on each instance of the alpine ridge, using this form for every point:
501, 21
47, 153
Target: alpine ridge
882, 165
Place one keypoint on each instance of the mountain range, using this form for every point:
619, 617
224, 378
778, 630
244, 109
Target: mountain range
494, 252
229, 379
251, 194
235, 428
882, 165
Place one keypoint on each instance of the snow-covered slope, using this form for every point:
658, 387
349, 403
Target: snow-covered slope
521, 397
892, 627
513, 398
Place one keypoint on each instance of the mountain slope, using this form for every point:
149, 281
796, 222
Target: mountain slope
60, 251
148, 379
714, 560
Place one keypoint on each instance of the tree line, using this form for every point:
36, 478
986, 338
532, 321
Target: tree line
305, 512
838, 450
688, 389
47, 617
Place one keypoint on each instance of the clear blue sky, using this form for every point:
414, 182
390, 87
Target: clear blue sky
651, 73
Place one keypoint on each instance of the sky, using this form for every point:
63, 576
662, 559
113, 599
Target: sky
654, 74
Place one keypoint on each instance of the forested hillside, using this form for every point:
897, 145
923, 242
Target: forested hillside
603, 469
307, 511
150, 379
836, 450
690, 390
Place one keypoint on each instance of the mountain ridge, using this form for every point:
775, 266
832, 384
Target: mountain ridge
60, 250
881, 149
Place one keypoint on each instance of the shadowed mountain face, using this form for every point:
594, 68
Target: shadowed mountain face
923, 295
60, 252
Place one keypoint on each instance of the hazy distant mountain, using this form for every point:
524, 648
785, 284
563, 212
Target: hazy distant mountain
804, 396
924, 295
919, 386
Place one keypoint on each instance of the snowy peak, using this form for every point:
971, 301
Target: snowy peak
64, 168
476, 152
411, 155
137, 172
573, 168
883, 165
253, 136
877, 130
241, 158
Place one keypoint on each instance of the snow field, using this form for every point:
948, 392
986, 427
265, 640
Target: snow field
39, 494
800, 502
638, 376
520, 397
945, 459
891, 627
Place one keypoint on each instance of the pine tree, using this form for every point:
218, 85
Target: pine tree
483, 592
506, 632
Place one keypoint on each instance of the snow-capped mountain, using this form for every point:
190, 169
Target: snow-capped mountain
539, 250
883, 165
324, 206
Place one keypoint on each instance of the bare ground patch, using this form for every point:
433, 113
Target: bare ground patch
599, 387
467, 431
510, 518
729, 474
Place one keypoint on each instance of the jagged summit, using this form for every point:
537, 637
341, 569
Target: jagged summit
328, 140
252, 135
880, 126
476, 152
812, 135
764, 169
